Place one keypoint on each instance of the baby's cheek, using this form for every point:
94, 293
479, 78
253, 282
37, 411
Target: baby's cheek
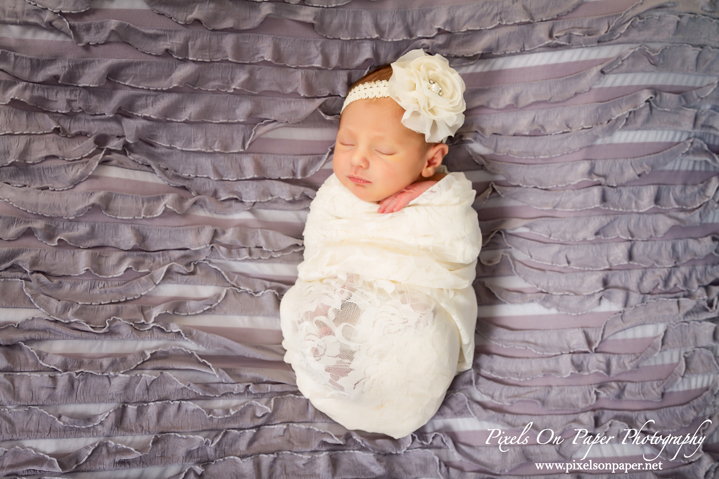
335, 163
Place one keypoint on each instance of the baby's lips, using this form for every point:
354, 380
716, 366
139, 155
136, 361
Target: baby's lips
357, 179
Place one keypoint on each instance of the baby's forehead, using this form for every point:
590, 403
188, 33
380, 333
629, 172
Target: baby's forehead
378, 118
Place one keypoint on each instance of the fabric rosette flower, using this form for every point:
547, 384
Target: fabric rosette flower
431, 93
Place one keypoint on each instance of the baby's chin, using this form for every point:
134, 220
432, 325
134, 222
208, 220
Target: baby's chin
364, 195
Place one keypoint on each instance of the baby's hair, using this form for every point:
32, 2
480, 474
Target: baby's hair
380, 73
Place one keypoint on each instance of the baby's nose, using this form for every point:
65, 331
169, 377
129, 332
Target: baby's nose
359, 158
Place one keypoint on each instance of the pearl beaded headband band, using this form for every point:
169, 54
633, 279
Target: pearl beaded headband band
374, 89
378, 89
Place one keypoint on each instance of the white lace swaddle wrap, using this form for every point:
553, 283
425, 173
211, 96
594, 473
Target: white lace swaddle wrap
383, 313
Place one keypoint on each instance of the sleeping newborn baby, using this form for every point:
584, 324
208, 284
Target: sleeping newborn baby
383, 313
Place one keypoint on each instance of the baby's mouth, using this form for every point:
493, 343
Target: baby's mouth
359, 181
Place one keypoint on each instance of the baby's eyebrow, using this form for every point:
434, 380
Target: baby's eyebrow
344, 131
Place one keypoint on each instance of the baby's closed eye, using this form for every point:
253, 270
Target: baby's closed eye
385, 152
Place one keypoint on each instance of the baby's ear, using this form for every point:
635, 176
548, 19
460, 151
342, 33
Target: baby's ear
434, 157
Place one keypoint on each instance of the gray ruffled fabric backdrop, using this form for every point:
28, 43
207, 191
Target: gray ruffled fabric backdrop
157, 159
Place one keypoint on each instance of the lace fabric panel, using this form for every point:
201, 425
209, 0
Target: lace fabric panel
388, 352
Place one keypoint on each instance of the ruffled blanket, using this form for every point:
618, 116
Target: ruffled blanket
383, 314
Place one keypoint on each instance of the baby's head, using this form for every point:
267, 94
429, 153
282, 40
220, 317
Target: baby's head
394, 123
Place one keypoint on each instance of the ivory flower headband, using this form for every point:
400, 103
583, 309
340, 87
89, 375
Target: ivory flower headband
429, 90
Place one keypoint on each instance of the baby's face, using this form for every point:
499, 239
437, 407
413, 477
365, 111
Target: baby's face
375, 154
